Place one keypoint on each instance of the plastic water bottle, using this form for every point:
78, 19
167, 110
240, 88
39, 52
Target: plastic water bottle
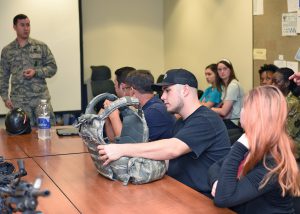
44, 126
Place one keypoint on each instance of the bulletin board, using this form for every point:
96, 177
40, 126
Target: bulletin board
267, 34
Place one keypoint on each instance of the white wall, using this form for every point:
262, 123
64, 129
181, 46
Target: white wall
163, 34
121, 33
200, 32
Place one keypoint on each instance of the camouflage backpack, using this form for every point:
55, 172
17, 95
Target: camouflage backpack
135, 130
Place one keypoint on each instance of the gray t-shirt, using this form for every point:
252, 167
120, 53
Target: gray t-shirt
235, 93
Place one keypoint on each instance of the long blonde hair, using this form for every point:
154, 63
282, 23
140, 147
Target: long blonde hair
264, 121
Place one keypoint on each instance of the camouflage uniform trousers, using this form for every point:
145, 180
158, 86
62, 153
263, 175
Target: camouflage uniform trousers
30, 108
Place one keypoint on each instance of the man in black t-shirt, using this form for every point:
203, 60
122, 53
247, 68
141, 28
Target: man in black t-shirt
200, 136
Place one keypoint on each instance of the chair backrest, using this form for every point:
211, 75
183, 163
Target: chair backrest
234, 134
100, 72
100, 80
160, 78
199, 92
102, 86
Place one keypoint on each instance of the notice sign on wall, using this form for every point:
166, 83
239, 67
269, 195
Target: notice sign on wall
289, 24
259, 54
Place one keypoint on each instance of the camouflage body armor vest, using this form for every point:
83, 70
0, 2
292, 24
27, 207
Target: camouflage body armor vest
135, 170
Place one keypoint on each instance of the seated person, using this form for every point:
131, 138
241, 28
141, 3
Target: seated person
120, 88
260, 173
266, 74
212, 95
232, 95
119, 81
200, 138
291, 93
160, 122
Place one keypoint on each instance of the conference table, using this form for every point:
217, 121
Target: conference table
68, 172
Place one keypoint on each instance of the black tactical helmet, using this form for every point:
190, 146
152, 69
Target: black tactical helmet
17, 122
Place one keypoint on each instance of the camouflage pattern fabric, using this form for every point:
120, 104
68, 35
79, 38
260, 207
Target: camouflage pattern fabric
293, 120
26, 92
125, 169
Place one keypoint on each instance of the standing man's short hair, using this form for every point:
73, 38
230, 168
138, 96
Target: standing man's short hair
140, 80
19, 16
122, 73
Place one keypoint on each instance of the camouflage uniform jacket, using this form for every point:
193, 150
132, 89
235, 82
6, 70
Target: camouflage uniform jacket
293, 119
16, 59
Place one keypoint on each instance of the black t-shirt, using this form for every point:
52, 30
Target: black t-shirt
206, 135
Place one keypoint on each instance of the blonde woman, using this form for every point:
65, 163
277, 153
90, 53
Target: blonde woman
260, 173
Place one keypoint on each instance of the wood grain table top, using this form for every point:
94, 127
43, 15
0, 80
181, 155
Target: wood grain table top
79, 180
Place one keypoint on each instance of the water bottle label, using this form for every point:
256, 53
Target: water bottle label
44, 123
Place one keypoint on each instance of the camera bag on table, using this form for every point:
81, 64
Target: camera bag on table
136, 170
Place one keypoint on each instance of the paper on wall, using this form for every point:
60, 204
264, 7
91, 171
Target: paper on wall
298, 20
259, 54
292, 5
280, 63
289, 24
258, 7
292, 65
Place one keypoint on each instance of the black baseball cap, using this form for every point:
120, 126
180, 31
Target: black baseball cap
177, 76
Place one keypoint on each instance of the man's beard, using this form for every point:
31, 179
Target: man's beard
176, 109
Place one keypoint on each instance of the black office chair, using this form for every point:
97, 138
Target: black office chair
101, 80
234, 134
159, 80
101, 83
199, 92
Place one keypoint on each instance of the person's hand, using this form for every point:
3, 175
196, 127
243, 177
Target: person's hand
109, 153
9, 104
296, 78
214, 187
106, 103
244, 140
29, 73
101, 111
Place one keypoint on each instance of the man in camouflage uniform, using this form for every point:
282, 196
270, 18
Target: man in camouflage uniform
281, 79
293, 120
28, 62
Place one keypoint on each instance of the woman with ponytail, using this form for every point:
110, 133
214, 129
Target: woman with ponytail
260, 173
232, 95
